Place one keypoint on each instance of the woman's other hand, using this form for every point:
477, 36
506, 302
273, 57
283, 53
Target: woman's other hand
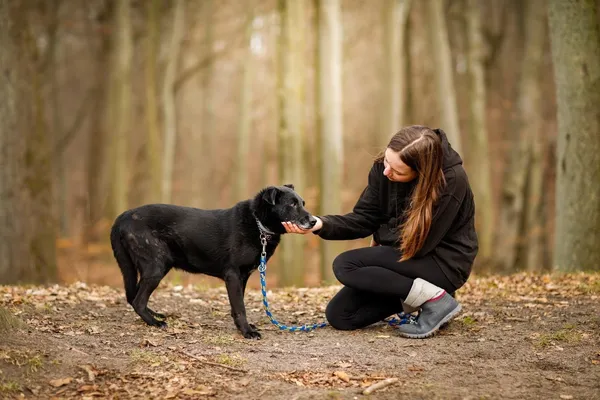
290, 227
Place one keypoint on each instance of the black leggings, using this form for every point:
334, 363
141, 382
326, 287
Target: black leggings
375, 284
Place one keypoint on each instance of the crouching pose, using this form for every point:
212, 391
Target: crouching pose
419, 207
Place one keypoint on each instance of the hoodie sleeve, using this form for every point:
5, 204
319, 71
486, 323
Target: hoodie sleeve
365, 218
445, 213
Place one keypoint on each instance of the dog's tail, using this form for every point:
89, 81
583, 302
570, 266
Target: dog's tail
128, 269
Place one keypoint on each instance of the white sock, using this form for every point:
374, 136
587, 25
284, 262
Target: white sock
422, 291
408, 309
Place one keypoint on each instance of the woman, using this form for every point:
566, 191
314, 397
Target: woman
419, 207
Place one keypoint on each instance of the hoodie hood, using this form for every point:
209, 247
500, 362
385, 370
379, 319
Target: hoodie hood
451, 157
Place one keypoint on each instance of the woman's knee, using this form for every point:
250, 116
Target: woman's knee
343, 264
335, 316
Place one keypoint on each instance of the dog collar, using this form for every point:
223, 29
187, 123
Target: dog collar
263, 228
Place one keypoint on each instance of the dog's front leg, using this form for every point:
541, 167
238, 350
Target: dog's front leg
235, 291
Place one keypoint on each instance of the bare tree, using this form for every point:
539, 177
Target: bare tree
209, 197
396, 14
291, 97
99, 138
478, 157
526, 129
533, 232
168, 101
12, 144
575, 41
444, 71
153, 156
28, 225
330, 121
120, 105
245, 120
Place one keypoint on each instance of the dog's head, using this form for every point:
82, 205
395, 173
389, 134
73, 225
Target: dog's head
277, 204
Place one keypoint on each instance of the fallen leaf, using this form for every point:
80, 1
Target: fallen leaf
90, 371
342, 375
566, 396
60, 382
148, 342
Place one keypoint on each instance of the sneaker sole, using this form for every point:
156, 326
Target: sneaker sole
432, 332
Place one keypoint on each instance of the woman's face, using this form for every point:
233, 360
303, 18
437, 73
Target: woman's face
395, 170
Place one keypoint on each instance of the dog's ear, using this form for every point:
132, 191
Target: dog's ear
270, 195
289, 185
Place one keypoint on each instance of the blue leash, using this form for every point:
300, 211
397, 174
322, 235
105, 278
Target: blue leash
403, 318
262, 268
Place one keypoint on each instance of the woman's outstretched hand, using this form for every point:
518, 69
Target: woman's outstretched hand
293, 228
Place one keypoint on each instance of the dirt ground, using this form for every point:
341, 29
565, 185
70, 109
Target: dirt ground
518, 337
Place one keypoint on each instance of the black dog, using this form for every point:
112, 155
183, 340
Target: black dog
224, 243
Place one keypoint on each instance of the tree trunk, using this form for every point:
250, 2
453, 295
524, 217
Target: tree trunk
27, 224
511, 239
291, 126
575, 42
168, 99
120, 107
98, 163
330, 122
13, 219
444, 71
532, 254
478, 157
54, 68
210, 197
40, 172
396, 14
153, 157
245, 119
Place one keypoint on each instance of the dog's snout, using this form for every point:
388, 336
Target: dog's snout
312, 221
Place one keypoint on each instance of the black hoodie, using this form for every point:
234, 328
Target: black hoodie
380, 210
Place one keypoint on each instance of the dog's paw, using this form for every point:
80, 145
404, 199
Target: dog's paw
252, 335
253, 327
156, 314
161, 324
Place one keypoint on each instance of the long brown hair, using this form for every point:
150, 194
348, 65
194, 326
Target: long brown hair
420, 148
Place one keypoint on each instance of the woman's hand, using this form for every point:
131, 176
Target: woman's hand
293, 228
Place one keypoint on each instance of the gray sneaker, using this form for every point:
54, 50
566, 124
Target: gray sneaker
433, 315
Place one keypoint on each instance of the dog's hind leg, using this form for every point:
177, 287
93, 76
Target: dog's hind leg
235, 291
154, 313
126, 264
151, 277
152, 259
